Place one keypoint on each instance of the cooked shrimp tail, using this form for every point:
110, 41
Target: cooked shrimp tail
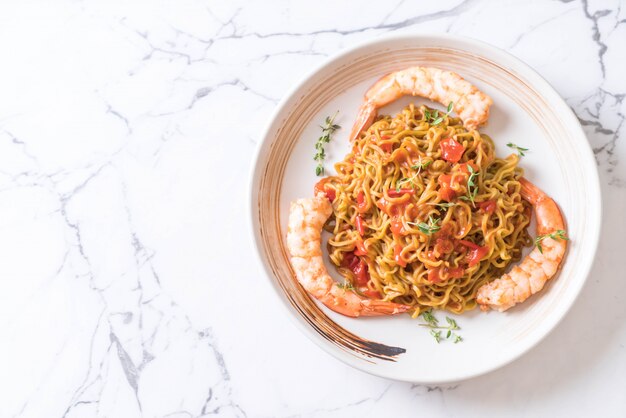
306, 219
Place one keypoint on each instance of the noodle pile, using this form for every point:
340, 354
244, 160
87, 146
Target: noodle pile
411, 227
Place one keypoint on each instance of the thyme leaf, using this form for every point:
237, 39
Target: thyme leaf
428, 228
472, 187
520, 150
434, 118
558, 234
345, 286
320, 154
444, 205
435, 329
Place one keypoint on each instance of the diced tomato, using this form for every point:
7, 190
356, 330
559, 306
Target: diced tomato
455, 273
350, 261
469, 244
372, 294
321, 187
358, 266
399, 192
360, 225
435, 275
387, 147
397, 228
476, 252
463, 167
451, 150
448, 183
488, 206
361, 272
397, 255
383, 204
360, 248
476, 255
391, 209
445, 191
361, 203
385, 137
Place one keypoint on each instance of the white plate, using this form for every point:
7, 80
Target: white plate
526, 111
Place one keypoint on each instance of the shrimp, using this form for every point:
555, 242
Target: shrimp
441, 86
529, 277
306, 218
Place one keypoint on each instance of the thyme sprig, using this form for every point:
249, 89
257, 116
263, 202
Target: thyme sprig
520, 150
420, 164
435, 329
345, 286
472, 187
405, 180
558, 234
320, 154
442, 205
433, 117
428, 228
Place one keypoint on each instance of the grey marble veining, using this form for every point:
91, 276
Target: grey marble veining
126, 134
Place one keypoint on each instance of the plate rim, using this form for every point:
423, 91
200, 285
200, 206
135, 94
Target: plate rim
538, 81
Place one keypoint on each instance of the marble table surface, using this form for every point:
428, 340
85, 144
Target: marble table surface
127, 129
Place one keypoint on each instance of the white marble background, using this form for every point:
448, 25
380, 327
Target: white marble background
126, 133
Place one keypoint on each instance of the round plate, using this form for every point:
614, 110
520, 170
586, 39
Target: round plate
526, 111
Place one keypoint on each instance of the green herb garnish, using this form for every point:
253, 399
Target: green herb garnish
428, 228
444, 205
420, 164
559, 234
403, 180
472, 187
430, 318
451, 323
433, 117
327, 130
520, 150
435, 329
345, 286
